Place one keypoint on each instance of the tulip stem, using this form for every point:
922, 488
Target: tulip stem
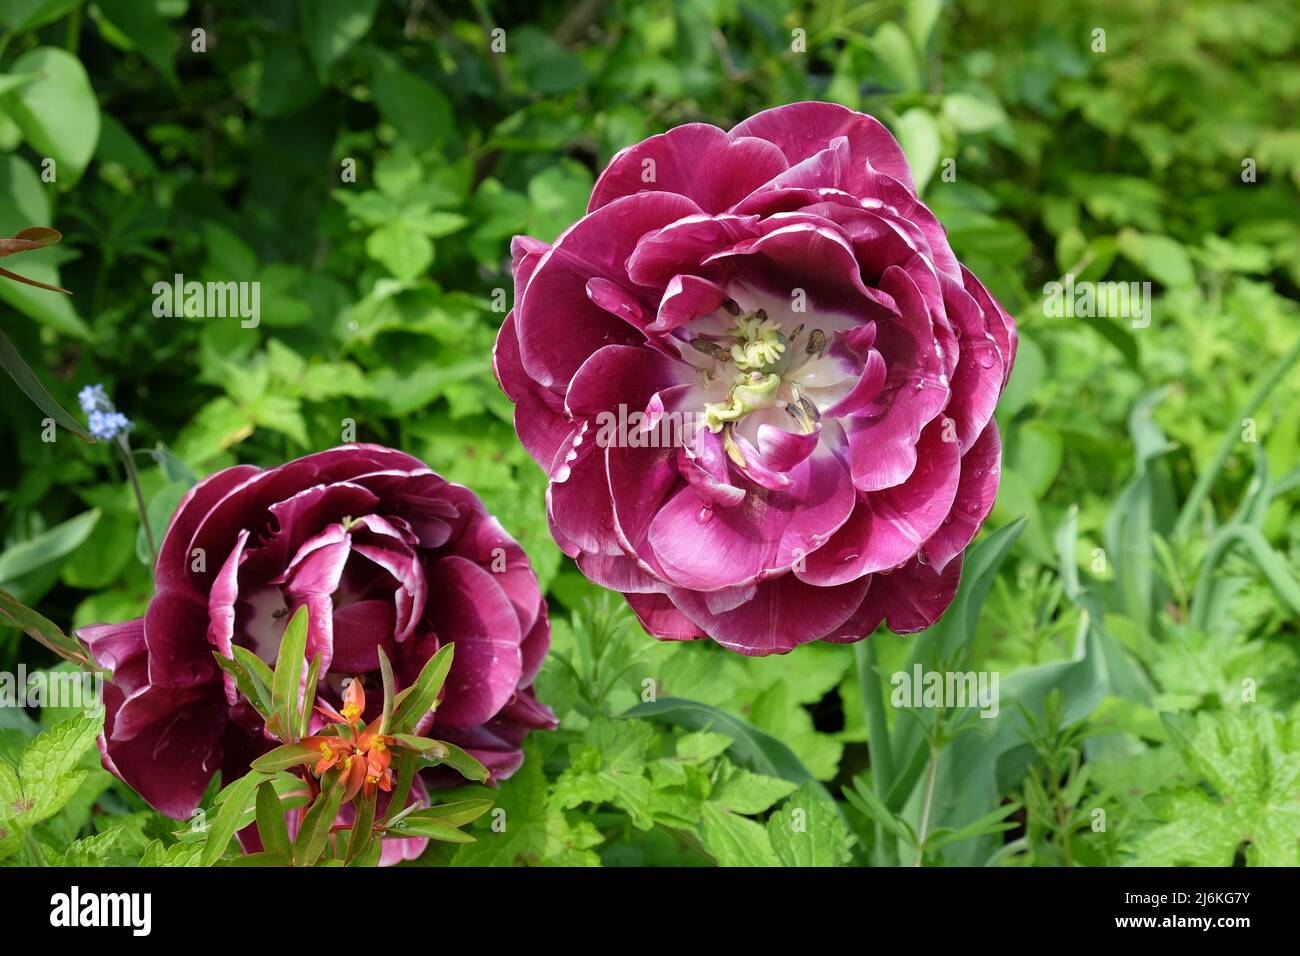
128, 462
882, 758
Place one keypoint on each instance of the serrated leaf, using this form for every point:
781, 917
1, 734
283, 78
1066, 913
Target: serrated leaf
742, 791
808, 830
735, 840
48, 771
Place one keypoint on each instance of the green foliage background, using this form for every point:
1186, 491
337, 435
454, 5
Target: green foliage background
1143, 625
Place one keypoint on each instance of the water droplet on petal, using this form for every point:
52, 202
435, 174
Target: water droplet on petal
922, 558
705, 514
561, 474
845, 557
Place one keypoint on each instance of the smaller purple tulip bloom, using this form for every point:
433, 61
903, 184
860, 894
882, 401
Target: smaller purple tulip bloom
384, 553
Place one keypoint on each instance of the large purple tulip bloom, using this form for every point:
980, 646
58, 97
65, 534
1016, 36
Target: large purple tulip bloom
383, 552
760, 383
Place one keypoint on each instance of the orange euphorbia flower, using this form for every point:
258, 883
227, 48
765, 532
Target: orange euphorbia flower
362, 755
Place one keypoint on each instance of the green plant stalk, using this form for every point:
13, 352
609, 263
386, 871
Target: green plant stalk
1201, 490
128, 462
1273, 569
878, 747
931, 776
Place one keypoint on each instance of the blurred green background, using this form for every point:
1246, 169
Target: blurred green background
1152, 584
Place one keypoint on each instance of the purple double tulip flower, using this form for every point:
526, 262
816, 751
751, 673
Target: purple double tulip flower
761, 384
383, 552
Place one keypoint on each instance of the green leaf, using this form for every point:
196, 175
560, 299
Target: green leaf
439, 752
735, 840
609, 766
13, 613
972, 114
918, 134
162, 505
24, 201
332, 27
416, 701
57, 112
1231, 440
458, 812
316, 822
809, 830
236, 800
47, 547
286, 756
390, 692
526, 827
286, 684
416, 108
1163, 258
401, 249
270, 822
309, 697
257, 678
145, 29
363, 828
947, 641
46, 780
742, 791
750, 747
422, 824
27, 380
1243, 794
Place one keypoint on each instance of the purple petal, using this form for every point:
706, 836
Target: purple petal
714, 168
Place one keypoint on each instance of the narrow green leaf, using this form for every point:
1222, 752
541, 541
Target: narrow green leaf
416, 701
261, 859
286, 756
459, 812
14, 613
309, 697
1230, 441
439, 752
420, 824
363, 827
28, 381
48, 546
235, 802
316, 822
390, 691
287, 679
245, 684
270, 822
258, 671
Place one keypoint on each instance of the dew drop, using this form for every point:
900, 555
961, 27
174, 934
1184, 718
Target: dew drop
922, 558
705, 514
561, 474
845, 557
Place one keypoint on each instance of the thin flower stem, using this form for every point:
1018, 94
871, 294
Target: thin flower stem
931, 775
882, 758
128, 462
1205, 481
